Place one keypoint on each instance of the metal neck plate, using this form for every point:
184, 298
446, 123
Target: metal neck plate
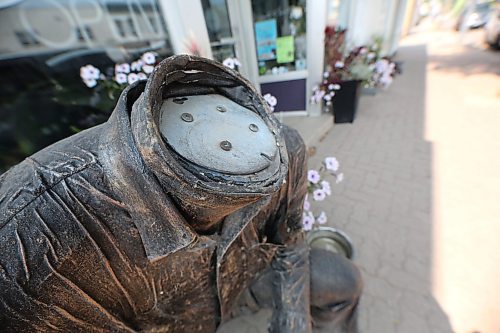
218, 134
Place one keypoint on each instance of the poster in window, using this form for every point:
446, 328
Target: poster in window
285, 49
266, 33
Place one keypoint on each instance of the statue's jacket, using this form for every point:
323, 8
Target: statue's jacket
91, 239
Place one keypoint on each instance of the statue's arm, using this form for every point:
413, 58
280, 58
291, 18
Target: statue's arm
291, 264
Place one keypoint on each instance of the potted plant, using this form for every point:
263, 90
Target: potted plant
319, 235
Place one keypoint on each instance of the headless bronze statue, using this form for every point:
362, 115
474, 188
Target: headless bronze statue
160, 219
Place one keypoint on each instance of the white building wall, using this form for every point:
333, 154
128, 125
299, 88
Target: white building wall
376, 18
316, 22
186, 24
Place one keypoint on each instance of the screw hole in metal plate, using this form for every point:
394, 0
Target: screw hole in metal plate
179, 100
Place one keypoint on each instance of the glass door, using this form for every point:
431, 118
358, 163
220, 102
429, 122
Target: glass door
281, 49
219, 29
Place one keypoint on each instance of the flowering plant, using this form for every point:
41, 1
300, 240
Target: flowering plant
232, 63
384, 71
119, 76
319, 188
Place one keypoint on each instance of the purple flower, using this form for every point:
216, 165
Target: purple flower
307, 205
132, 77
271, 99
91, 83
319, 195
229, 62
89, 73
325, 186
331, 163
322, 219
147, 69
137, 65
313, 176
122, 68
121, 78
307, 221
149, 58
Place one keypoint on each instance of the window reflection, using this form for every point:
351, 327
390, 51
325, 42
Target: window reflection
280, 35
43, 44
219, 29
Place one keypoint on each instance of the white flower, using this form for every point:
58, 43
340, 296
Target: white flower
132, 77
307, 221
336, 87
327, 97
331, 163
330, 86
316, 87
91, 83
142, 76
89, 72
386, 79
339, 64
319, 195
322, 219
313, 176
325, 186
271, 100
326, 74
229, 62
122, 68
137, 65
370, 55
340, 177
147, 69
381, 65
363, 50
149, 58
121, 78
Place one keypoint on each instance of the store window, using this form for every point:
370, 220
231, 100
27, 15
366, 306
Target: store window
219, 29
44, 43
280, 35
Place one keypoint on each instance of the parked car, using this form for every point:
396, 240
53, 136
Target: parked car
492, 27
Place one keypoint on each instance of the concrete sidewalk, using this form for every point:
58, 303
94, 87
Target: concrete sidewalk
421, 191
420, 195
385, 202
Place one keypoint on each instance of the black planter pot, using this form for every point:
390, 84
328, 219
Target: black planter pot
345, 102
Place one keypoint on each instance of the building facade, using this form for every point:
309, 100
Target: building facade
279, 43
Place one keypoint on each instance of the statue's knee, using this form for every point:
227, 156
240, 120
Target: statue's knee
336, 285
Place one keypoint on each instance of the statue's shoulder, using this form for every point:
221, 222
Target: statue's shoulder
25, 182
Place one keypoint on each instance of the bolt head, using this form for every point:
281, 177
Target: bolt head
187, 117
226, 145
253, 128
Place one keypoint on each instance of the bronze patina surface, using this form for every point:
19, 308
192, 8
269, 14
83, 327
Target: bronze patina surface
112, 230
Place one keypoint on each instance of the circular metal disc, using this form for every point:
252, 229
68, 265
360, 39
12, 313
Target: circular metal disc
199, 140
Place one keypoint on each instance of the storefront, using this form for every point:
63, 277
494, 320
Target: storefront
44, 43
271, 38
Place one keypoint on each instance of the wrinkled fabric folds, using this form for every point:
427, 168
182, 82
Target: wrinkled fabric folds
93, 235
